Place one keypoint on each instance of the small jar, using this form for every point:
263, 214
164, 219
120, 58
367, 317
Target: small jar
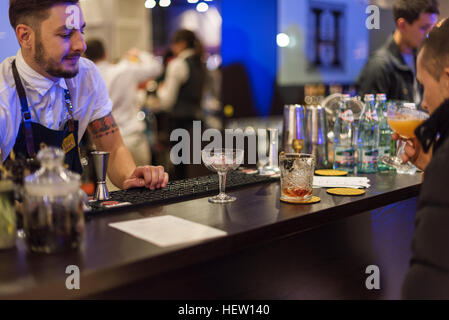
8, 231
53, 215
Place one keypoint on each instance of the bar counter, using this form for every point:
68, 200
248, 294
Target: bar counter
273, 250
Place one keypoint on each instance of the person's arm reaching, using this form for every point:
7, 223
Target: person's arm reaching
122, 169
146, 67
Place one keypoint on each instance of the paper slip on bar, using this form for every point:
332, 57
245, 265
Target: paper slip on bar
165, 231
340, 182
346, 192
311, 201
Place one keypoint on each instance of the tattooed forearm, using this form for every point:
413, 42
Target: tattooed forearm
103, 127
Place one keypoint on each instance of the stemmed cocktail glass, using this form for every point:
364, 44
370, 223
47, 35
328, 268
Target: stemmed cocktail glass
222, 161
403, 119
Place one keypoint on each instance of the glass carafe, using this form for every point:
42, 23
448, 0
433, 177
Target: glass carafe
8, 229
53, 215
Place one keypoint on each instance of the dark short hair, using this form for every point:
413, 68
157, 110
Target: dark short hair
410, 10
95, 50
191, 40
435, 50
185, 35
32, 11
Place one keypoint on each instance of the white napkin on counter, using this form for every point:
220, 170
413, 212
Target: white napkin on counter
340, 182
164, 231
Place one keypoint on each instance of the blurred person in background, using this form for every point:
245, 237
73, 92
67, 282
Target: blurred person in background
182, 90
392, 68
122, 80
212, 104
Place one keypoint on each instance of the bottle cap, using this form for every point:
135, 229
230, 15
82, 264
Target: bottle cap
381, 97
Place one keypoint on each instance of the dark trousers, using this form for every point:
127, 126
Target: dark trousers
183, 171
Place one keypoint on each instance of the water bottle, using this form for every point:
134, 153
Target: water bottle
343, 137
368, 138
385, 141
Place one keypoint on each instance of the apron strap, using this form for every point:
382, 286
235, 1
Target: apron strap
69, 106
26, 115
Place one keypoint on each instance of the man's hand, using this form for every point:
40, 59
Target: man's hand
414, 153
122, 169
149, 177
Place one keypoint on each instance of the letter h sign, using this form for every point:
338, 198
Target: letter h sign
326, 35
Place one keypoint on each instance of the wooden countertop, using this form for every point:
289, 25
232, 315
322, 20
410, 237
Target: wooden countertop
110, 258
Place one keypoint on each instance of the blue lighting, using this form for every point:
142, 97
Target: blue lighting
249, 38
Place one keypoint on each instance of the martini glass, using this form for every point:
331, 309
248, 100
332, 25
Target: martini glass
403, 119
222, 161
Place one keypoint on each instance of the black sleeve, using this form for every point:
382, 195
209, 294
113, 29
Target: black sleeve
428, 276
374, 77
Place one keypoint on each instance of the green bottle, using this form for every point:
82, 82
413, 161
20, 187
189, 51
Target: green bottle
386, 144
368, 137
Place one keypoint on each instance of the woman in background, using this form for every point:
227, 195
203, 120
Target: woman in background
181, 92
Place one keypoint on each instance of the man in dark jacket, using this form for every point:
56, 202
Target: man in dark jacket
391, 69
428, 276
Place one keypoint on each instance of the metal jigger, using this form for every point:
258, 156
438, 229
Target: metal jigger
273, 161
101, 159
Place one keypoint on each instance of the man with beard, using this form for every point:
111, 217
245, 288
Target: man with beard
49, 94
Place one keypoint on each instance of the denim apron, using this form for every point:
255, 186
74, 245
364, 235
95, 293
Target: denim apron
32, 136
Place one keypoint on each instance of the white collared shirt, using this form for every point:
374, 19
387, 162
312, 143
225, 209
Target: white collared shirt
46, 99
122, 80
177, 74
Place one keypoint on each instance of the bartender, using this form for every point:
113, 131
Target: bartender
50, 95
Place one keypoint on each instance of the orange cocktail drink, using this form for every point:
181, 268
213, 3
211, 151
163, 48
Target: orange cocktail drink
403, 118
405, 126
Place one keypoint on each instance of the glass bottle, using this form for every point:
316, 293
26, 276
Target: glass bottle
53, 215
386, 144
343, 137
368, 138
8, 227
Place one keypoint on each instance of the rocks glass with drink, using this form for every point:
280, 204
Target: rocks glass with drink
296, 176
